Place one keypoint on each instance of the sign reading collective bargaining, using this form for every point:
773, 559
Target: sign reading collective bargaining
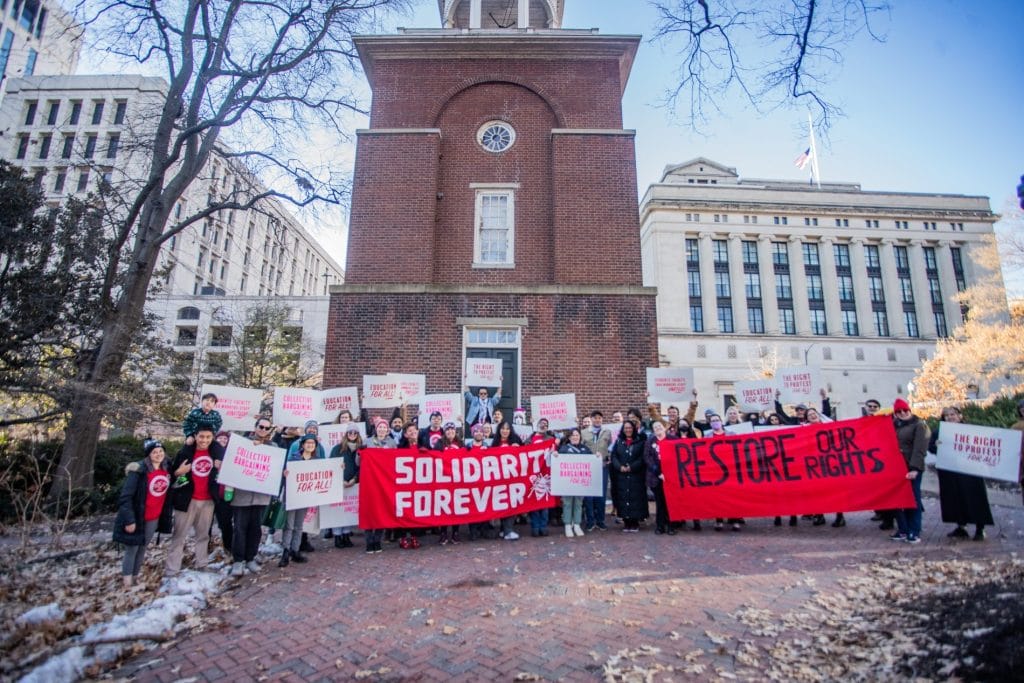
409, 488
250, 467
981, 451
558, 409
840, 466
577, 474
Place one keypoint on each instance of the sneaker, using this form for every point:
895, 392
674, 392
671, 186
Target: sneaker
898, 536
338, 542
568, 530
778, 521
958, 532
306, 546
577, 529
369, 548
736, 526
253, 566
377, 548
511, 536
913, 539
405, 543
238, 569
602, 527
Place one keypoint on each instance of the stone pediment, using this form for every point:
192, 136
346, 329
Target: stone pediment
701, 171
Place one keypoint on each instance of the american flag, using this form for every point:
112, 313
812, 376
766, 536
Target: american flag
802, 160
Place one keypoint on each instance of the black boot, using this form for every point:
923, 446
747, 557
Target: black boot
339, 542
299, 558
346, 540
285, 556
306, 546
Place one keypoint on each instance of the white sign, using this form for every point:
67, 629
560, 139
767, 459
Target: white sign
524, 432
982, 451
345, 513
238, 407
311, 521
741, 428
312, 483
798, 385
380, 391
331, 435
755, 396
670, 385
483, 372
250, 467
449, 405
576, 474
333, 401
411, 388
295, 407
558, 409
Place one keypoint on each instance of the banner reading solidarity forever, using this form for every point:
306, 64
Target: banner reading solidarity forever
249, 467
669, 385
238, 407
840, 466
982, 451
407, 488
311, 483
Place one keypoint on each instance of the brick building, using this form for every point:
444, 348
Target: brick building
494, 211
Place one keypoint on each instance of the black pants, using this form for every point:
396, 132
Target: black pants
248, 532
660, 507
222, 513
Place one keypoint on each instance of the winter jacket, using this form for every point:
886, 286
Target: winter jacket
351, 466
652, 458
196, 418
181, 496
131, 508
600, 444
912, 437
476, 406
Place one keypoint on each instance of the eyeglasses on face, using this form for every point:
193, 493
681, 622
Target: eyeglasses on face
263, 428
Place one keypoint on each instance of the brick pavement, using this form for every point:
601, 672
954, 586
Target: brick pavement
539, 608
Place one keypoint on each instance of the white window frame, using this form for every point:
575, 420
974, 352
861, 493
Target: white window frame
507, 190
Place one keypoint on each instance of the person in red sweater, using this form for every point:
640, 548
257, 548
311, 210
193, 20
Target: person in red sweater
195, 479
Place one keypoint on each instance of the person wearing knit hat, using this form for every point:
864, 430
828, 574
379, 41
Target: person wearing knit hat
478, 438
912, 435
143, 508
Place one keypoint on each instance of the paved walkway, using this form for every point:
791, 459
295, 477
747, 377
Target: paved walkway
538, 608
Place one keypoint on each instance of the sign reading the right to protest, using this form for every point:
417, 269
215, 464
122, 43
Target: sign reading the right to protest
670, 385
982, 451
483, 372
333, 401
755, 396
251, 467
798, 385
237, 406
294, 407
558, 409
847, 465
312, 483
576, 474
449, 405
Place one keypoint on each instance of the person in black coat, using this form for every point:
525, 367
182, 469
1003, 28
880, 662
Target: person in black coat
628, 468
962, 497
143, 508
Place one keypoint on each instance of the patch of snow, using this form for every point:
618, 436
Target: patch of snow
271, 548
68, 666
41, 615
977, 632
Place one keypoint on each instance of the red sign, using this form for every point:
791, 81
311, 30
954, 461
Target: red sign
410, 488
833, 467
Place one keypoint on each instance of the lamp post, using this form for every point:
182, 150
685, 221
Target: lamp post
807, 351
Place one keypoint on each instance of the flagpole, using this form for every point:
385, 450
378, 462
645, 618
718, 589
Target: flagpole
814, 152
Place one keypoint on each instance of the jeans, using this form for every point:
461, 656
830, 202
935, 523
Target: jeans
572, 509
593, 506
291, 537
539, 519
908, 521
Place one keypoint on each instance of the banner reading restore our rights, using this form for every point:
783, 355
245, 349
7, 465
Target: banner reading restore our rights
835, 467
407, 488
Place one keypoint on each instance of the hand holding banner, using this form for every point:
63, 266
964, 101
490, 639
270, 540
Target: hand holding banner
670, 385
558, 409
981, 451
238, 407
312, 483
483, 372
250, 467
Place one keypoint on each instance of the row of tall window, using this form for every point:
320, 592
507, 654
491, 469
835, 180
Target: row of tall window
73, 109
88, 146
811, 260
812, 221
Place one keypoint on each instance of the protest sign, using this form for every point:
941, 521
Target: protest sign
981, 451
847, 465
380, 391
250, 467
449, 405
345, 513
740, 428
311, 483
238, 407
333, 401
524, 432
295, 407
483, 372
311, 521
558, 409
670, 386
577, 474
755, 396
411, 388
407, 488
798, 385
332, 435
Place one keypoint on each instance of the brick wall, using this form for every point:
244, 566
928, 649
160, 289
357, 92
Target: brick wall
596, 346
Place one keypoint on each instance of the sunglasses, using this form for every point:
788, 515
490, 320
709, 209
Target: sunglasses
263, 428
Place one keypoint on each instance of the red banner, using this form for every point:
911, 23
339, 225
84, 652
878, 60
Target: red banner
410, 488
833, 467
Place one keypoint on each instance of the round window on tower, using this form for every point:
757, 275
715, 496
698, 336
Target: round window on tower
496, 136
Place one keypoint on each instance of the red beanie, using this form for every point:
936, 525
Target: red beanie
900, 404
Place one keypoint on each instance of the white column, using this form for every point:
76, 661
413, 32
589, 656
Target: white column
707, 283
830, 286
859, 270
798, 278
736, 281
893, 297
767, 271
475, 13
922, 296
947, 280
524, 14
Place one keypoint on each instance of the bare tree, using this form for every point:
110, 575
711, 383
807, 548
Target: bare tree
774, 53
247, 79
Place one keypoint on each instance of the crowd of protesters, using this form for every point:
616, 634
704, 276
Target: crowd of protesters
175, 495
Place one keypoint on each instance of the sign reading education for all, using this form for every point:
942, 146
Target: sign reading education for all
981, 451
848, 465
251, 467
312, 483
407, 488
756, 395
